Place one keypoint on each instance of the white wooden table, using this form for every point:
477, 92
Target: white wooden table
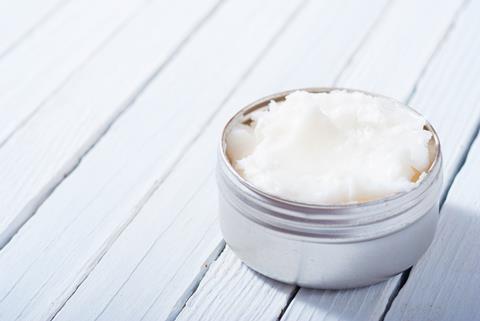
110, 113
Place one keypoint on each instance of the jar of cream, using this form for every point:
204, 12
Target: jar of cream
329, 188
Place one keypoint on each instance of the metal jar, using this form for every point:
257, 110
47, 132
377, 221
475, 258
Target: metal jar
326, 246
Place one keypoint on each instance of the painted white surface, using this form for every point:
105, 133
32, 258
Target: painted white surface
132, 230
92, 206
20, 18
398, 51
40, 64
36, 157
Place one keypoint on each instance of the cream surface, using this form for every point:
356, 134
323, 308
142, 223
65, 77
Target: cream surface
331, 148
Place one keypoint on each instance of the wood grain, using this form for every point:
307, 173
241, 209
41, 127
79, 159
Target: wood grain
397, 53
55, 251
20, 18
40, 64
253, 296
37, 157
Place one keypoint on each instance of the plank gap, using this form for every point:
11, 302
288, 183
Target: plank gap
398, 287
182, 301
289, 301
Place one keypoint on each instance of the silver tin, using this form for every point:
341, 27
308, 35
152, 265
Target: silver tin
326, 246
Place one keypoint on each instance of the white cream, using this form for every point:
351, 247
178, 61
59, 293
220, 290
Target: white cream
331, 148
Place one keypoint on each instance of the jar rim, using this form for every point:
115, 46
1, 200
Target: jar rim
327, 208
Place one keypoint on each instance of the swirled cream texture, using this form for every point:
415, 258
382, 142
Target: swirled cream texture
331, 148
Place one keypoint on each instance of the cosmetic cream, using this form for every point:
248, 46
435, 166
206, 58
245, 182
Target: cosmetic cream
331, 148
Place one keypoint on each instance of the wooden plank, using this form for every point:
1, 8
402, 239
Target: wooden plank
56, 250
19, 18
444, 284
37, 157
41, 63
176, 232
367, 303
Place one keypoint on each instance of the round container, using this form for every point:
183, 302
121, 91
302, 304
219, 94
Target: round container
326, 246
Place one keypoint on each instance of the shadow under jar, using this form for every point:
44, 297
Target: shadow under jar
326, 246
